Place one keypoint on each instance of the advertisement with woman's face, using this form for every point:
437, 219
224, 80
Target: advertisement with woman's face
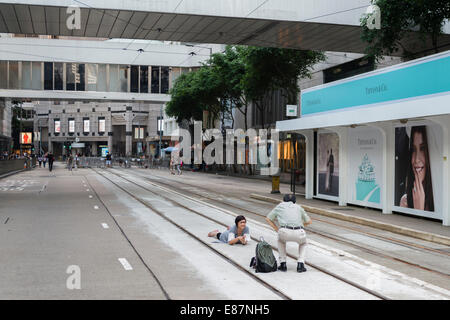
417, 164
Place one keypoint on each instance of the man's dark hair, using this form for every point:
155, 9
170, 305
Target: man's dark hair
238, 219
289, 197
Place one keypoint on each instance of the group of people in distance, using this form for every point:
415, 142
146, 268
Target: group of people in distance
287, 219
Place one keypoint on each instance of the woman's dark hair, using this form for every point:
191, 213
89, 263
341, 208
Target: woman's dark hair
238, 219
289, 197
427, 185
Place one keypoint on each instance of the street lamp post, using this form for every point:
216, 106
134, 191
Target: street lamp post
160, 130
20, 129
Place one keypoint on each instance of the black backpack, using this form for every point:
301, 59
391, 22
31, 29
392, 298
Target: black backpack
264, 260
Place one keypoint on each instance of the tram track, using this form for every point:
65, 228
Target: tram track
162, 215
328, 235
176, 203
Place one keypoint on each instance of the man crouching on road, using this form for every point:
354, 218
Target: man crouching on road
291, 218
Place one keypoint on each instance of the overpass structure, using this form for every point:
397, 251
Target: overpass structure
331, 25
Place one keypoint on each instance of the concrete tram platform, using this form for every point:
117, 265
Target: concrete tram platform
259, 189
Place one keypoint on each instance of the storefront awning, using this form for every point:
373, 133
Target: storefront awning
414, 89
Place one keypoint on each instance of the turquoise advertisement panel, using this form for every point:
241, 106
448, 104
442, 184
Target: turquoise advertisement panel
365, 166
422, 79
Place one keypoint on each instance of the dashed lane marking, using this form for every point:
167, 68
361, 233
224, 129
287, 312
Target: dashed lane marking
125, 264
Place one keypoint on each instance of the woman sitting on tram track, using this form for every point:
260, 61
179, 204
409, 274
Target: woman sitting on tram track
239, 233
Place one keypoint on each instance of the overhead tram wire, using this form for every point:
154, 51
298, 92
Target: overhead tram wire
257, 8
95, 48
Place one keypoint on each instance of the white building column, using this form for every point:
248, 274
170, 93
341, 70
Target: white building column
388, 163
128, 131
110, 142
50, 145
36, 134
309, 163
343, 163
444, 121
94, 148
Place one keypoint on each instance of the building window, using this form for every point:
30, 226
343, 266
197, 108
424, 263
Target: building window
26, 75
3, 74
86, 125
101, 78
114, 84
123, 78
13, 75
59, 75
71, 125
36, 73
92, 76
75, 77
174, 74
164, 79
101, 125
138, 133
143, 79
79, 79
57, 126
48, 75
70, 76
155, 79
134, 78
349, 69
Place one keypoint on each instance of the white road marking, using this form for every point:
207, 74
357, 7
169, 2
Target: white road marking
105, 226
125, 264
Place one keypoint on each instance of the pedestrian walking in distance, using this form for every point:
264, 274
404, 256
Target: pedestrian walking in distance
291, 218
51, 158
70, 162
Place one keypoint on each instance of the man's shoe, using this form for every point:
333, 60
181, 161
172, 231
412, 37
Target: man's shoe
282, 266
301, 267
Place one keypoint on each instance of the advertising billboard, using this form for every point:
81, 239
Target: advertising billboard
328, 165
365, 169
86, 124
101, 125
418, 179
57, 126
71, 126
26, 137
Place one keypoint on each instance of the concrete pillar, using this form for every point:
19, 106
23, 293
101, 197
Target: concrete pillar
94, 148
110, 142
343, 164
309, 163
128, 131
388, 163
36, 134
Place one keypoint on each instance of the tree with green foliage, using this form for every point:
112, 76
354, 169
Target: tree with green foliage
272, 69
237, 76
193, 93
401, 20
230, 68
